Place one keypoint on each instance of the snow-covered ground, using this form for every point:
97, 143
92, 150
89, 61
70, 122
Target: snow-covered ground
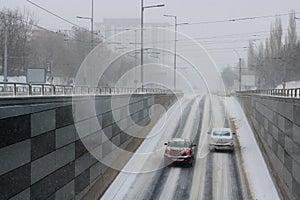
290, 85
22, 79
122, 187
260, 181
135, 181
16, 79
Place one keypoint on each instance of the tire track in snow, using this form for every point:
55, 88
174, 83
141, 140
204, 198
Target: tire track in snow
226, 178
184, 183
125, 184
161, 176
170, 187
198, 180
237, 191
221, 181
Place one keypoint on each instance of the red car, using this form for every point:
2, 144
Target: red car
179, 151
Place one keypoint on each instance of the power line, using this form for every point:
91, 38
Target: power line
206, 22
64, 19
240, 19
48, 11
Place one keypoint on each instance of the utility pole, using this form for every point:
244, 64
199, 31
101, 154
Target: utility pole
92, 33
240, 74
142, 38
135, 56
175, 45
175, 54
92, 25
5, 55
240, 69
142, 44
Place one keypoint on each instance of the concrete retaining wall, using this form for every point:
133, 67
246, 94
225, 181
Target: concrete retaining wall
41, 154
277, 125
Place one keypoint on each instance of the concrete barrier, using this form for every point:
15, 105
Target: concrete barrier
42, 155
276, 121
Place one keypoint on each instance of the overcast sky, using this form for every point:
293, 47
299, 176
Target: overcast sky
190, 11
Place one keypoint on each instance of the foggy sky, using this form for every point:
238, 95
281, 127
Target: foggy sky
190, 11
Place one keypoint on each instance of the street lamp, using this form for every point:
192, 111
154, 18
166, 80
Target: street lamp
175, 44
240, 69
142, 37
92, 23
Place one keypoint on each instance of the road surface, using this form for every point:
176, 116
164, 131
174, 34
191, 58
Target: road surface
214, 175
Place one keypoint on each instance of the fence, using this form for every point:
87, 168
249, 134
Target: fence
292, 93
26, 89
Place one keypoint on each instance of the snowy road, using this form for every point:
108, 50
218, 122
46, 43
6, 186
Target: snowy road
214, 175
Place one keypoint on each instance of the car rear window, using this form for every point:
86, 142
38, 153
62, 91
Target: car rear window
178, 144
221, 133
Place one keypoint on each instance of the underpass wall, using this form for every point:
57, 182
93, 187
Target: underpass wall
42, 155
276, 123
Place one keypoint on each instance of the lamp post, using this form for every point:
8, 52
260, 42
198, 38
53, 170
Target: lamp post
92, 23
240, 70
5, 54
142, 37
175, 45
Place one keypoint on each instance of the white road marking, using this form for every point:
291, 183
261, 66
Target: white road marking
198, 182
124, 185
170, 185
135, 185
221, 173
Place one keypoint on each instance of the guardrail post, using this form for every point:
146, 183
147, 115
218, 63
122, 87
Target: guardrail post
15, 89
54, 90
29, 89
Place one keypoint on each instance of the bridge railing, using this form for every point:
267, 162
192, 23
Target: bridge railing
26, 89
292, 93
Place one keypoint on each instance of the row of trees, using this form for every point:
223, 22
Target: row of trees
18, 27
32, 46
278, 59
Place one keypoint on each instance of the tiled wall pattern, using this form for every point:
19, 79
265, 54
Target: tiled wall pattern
277, 123
41, 156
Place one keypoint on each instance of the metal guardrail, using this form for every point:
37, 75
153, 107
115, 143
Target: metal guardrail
26, 89
292, 93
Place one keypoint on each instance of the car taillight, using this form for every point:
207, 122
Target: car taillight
189, 151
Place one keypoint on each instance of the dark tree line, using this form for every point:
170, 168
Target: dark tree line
278, 59
18, 27
31, 46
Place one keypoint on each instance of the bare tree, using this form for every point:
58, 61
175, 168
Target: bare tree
19, 26
292, 32
228, 76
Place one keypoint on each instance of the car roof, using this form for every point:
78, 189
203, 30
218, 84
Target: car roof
179, 139
221, 129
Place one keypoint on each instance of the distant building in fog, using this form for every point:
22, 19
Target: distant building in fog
111, 27
122, 33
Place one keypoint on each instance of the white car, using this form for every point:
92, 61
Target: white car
221, 139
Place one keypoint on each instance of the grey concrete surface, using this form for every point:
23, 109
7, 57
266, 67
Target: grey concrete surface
41, 153
276, 122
